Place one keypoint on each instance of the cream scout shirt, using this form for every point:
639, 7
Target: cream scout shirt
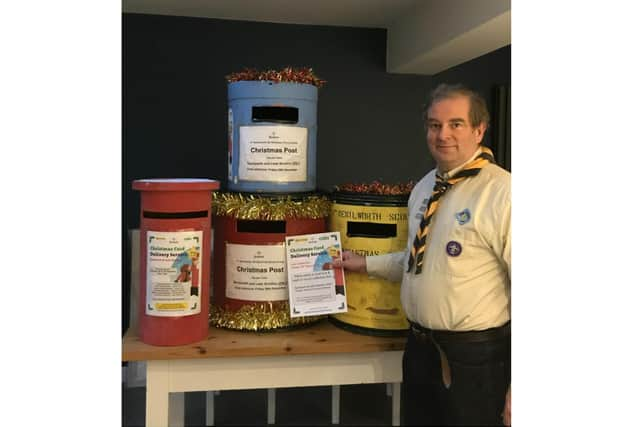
465, 281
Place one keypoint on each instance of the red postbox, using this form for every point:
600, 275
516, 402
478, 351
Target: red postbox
175, 248
249, 274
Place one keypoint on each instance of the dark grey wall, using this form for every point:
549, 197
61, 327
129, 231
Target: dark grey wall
175, 101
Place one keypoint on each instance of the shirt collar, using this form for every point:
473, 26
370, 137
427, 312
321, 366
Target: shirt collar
449, 174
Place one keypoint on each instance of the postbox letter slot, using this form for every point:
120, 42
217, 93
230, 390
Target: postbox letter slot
371, 230
288, 115
257, 226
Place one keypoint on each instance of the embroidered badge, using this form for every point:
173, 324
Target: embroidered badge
463, 217
454, 248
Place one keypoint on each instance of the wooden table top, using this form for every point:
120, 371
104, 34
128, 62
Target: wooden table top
318, 338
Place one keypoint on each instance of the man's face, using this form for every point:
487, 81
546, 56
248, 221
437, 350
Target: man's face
450, 137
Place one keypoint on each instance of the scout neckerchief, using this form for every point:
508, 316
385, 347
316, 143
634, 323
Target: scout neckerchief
471, 169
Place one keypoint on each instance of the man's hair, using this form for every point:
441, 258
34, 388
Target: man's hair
478, 112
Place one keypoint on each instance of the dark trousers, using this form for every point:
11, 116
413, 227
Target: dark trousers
480, 376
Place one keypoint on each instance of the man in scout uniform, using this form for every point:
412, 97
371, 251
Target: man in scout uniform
455, 273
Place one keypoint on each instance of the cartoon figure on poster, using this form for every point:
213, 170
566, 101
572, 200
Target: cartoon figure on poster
325, 262
187, 266
184, 274
181, 264
194, 256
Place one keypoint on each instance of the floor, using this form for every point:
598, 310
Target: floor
360, 405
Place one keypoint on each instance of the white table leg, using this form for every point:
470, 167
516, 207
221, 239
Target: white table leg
176, 409
335, 404
271, 406
157, 411
389, 390
209, 408
395, 405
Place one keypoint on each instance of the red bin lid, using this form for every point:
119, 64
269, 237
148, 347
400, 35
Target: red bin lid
175, 184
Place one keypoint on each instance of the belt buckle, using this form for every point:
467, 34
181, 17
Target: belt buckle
422, 336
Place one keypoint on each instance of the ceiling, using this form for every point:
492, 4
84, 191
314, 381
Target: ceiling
423, 36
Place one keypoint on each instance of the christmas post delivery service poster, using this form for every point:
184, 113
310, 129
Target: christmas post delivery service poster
315, 287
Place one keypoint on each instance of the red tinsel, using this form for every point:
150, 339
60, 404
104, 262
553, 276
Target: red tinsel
377, 187
286, 75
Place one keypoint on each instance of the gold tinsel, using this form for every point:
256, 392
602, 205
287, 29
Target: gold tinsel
257, 317
269, 208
